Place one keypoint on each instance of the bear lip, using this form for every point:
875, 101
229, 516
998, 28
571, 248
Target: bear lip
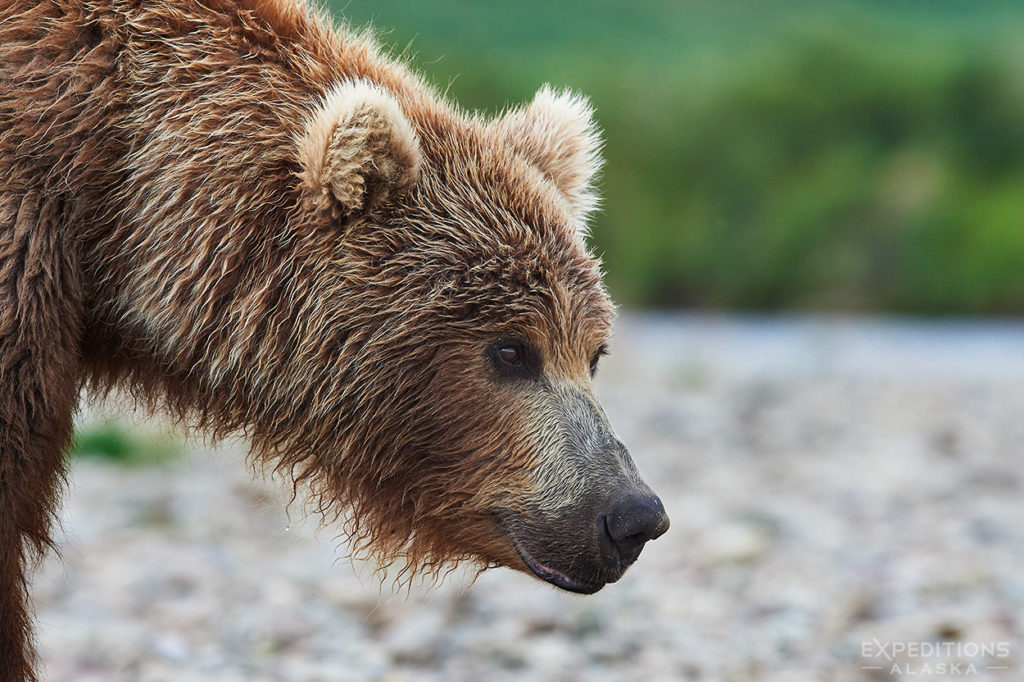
556, 578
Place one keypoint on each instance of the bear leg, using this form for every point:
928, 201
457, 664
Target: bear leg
40, 330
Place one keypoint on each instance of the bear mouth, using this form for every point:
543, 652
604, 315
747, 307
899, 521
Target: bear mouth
555, 577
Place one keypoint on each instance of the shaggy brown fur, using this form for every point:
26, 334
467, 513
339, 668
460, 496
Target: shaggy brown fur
267, 226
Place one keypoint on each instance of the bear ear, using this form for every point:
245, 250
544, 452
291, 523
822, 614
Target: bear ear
557, 132
357, 149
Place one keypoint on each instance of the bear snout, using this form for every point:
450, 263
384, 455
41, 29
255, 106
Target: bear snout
589, 545
635, 520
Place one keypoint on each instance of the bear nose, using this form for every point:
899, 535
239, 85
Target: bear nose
634, 521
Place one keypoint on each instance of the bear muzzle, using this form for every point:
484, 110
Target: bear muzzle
588, 513
634, 521
592, 545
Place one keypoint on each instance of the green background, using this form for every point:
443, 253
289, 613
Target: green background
770, 155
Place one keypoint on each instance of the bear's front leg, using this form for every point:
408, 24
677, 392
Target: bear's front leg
40, 328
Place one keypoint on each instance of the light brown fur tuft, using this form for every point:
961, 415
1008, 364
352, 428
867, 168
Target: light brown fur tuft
557, 132
358, 148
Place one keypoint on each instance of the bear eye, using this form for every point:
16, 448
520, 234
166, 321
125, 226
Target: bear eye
603, 350
511, 355
514, 358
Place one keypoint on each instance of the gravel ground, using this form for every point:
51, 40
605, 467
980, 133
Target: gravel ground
845, 498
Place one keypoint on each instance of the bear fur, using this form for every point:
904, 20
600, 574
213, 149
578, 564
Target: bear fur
265, 225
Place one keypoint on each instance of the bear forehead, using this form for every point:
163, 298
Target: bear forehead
496, 280
561, 300
528, 270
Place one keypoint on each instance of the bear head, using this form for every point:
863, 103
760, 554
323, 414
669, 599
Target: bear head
464, 319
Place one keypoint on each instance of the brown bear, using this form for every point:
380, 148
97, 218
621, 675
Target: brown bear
263, 224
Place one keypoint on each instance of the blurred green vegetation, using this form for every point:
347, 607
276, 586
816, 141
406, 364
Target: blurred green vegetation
856, 155
113, 441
